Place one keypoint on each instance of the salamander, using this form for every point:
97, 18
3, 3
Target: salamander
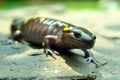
52, 33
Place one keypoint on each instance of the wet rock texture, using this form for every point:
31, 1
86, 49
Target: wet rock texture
23, 62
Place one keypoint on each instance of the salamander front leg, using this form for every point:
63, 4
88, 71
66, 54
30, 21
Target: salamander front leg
49, 40
89, 57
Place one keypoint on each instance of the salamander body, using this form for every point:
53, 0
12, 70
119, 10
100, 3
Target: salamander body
50, 33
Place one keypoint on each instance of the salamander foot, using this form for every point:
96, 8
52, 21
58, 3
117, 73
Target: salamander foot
93, 60
10, 41
51, 53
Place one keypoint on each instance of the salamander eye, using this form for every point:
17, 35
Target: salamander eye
77, 35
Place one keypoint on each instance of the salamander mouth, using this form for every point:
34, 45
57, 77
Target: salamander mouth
83, 44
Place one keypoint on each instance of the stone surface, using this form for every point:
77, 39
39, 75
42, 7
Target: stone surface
20, 61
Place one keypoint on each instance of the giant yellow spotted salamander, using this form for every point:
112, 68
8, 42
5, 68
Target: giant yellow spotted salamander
51, 33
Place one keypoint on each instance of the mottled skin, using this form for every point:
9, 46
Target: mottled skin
50, 33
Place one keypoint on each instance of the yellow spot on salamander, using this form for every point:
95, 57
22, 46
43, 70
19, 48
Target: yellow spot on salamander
43, 44
66, 28
42, 19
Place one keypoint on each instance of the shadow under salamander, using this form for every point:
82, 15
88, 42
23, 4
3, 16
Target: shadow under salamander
73, 59
76, 61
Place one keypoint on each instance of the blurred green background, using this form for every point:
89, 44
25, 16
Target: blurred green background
69, 4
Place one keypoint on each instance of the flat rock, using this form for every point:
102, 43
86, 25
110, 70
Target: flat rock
20, 61
25, 62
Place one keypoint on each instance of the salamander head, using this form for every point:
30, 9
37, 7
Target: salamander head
78, 37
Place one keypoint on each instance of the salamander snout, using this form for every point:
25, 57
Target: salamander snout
90, 41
